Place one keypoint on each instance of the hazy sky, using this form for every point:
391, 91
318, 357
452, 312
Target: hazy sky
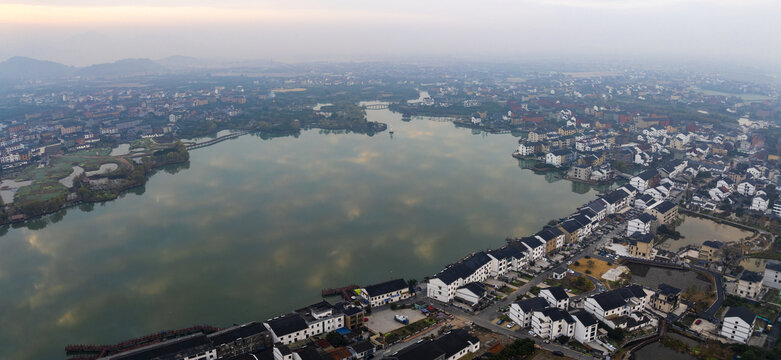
81, 32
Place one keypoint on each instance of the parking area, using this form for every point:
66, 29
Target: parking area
384, 321
705, 328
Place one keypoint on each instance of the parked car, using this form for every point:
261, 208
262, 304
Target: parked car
511, 324
697, 322
558, 353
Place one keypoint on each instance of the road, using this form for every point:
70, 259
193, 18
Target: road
485, 317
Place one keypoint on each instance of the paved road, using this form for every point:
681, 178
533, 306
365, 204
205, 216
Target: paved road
485, 317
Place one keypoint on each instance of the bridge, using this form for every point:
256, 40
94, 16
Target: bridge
214, 141
375, 106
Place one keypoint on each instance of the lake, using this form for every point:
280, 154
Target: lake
698, 230
252, 228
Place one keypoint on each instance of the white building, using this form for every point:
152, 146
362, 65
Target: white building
521, 311
551, 323
321, 318
287, 329
556, 297
618, 302
749, 285
585, 327
760, 203
443, 286
738, 324
386, 293
471, 293
772, 277
746, 188
641, 224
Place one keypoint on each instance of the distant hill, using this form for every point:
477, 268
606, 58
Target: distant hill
181, 62
121, 68
24, 68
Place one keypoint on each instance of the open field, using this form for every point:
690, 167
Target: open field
596, 267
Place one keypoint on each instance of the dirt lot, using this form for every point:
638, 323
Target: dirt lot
383, 321
597, 267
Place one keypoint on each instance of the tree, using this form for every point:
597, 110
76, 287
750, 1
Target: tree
562, 339
590, 264
616, 334
335, 339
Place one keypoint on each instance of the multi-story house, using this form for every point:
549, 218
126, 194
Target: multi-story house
586, 326
521, 311
641, 245
475, 268
386, 293
749, 285
665, 212
772, 277
556, 297
646, 179
711, 250
738, 324
667, 298
642, 224
551, 323
618, 302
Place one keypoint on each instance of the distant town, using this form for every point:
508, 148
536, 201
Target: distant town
666, 148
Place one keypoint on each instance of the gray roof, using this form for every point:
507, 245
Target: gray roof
713, 243
535, 303
287, 324
772, 265
557, 292
585, 318
556, 314
741, 312
387, 287
750, 276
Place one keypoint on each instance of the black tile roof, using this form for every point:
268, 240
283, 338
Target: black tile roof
741, 312
310, 353
446, 345
507, 252
535, 303
476, 288
641, 238
615, 196
233, 333
646, 218
618, 297
362, 346
648, 174
463, 269
571, 226
775, 266
287, 324
750, 276
664, 206
173, 349
665, 289
387, 287
585, 318
713, 243
532, 242
557, 292
556, 314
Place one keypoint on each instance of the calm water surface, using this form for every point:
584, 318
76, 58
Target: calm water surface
697, 230
253, 228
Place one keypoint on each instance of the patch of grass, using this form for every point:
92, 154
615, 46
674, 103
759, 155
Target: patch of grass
596, 266
506, 289
768, 311
408, 330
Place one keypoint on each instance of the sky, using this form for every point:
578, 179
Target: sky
84, 32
